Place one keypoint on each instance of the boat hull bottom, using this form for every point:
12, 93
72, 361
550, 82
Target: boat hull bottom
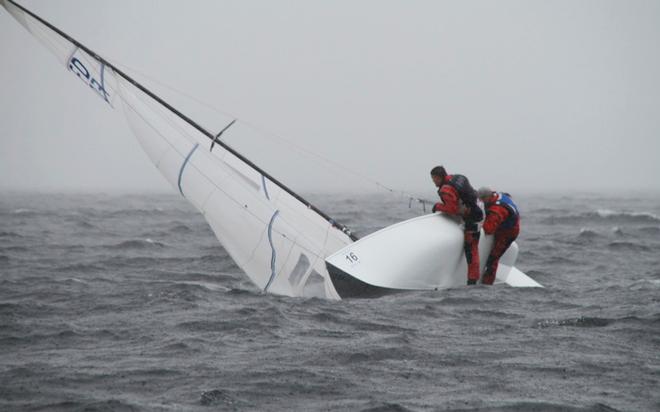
348, 286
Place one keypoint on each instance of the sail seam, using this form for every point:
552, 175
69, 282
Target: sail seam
263, 183
183, 166
68, 62
105, 93
274, 253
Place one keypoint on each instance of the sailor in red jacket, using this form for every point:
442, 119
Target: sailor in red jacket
460, 199
502, 221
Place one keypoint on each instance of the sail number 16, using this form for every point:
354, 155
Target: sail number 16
352, 258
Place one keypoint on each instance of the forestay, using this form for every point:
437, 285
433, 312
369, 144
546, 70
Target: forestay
277, 238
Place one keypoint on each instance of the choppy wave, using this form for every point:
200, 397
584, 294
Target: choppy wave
219, 399
180, 228
15, 249
85, 268
10, 235
379, 406
122, 260
604, 216
138, 244
616, 230
580, 322
208, 286
598, 322
60, 337
637, 216
527, 406
650, 230
589, 234
549, 210
138, 212
88, 406
84, 224
628, 246
645, 284
24, 212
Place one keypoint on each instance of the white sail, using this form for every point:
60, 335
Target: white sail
278, 240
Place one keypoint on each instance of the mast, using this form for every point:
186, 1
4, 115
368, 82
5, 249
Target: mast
208, 134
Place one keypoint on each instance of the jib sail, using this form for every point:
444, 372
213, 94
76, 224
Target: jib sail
274, 235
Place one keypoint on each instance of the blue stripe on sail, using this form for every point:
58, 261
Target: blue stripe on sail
272, 247
263, 183
183, 166
105, 94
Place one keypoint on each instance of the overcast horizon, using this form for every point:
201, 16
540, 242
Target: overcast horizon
523, 96
427, 194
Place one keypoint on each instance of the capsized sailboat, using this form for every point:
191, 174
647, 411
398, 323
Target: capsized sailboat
282, 242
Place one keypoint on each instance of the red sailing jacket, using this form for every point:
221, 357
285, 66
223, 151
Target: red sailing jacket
450, 198
497, 214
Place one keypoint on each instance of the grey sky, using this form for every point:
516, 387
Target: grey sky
518, 95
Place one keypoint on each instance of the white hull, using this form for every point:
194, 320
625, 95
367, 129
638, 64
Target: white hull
423, 253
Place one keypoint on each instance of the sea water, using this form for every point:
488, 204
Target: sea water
128, 302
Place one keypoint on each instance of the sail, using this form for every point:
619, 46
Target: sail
276, 237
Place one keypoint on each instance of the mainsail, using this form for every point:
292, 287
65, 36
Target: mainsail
275, 236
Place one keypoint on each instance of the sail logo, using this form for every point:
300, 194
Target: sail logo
84, 74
